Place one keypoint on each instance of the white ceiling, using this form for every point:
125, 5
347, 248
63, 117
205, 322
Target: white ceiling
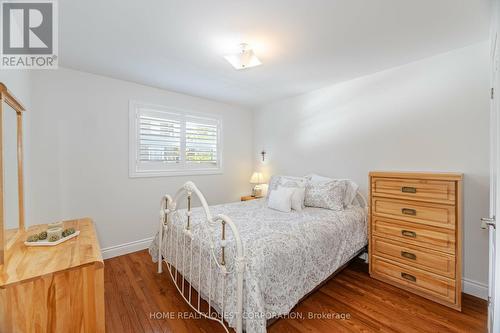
304, 45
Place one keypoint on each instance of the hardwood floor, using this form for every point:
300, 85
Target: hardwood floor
134, 292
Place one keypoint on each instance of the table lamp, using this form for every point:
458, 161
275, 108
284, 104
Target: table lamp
257, 179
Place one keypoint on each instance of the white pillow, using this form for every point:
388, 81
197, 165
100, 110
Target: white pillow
281, 199
298, 198
317, 178
286, 181
351, 187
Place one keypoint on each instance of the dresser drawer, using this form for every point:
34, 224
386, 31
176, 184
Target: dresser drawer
416, 279
415, 189
418, 212
428, 260
411, 233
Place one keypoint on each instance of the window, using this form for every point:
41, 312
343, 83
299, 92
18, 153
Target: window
167, 142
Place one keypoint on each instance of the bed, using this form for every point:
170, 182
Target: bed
249, 262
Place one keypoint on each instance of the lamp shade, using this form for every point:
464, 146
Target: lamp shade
257, 178
246, 58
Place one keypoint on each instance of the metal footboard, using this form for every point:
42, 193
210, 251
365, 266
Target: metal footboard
181, 257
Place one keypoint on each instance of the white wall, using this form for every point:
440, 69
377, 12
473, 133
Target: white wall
79, 154
430, 115
19, 83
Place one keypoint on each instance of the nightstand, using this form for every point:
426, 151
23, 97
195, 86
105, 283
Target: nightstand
249, 197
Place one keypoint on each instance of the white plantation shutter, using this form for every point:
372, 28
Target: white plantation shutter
201, 142
159, 139
165, 141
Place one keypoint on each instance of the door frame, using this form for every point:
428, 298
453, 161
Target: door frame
494, 233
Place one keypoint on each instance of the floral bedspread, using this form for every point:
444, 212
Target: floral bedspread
286, 255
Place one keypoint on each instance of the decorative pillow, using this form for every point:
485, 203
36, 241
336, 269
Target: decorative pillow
317, 178
281, 199
274, 181
329, 195
350, 192
351, 187
285, 181
298, 198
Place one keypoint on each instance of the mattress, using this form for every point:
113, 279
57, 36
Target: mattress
286, 255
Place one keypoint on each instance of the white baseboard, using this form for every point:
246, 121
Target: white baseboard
475, 288
119, 250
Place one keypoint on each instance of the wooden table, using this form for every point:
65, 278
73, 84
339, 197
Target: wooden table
53, 289
249, 197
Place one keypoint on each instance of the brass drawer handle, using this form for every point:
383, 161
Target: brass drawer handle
408, 233
408, 211
408, 189
408, 255
409, 277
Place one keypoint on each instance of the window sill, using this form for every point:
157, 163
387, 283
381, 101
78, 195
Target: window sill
174, 173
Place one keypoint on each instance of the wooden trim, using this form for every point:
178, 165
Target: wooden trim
20, 170
7, 97
458, 243
11, 99
370, 204
2, 222
419, 175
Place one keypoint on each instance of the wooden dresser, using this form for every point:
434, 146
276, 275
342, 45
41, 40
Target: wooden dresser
415, 233
53, 289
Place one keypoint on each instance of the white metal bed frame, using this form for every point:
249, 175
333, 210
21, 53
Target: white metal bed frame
169, 205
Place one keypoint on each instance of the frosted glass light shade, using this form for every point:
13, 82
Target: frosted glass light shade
244, 59
257, 178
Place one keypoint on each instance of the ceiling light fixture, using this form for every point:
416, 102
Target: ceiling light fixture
243, 59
